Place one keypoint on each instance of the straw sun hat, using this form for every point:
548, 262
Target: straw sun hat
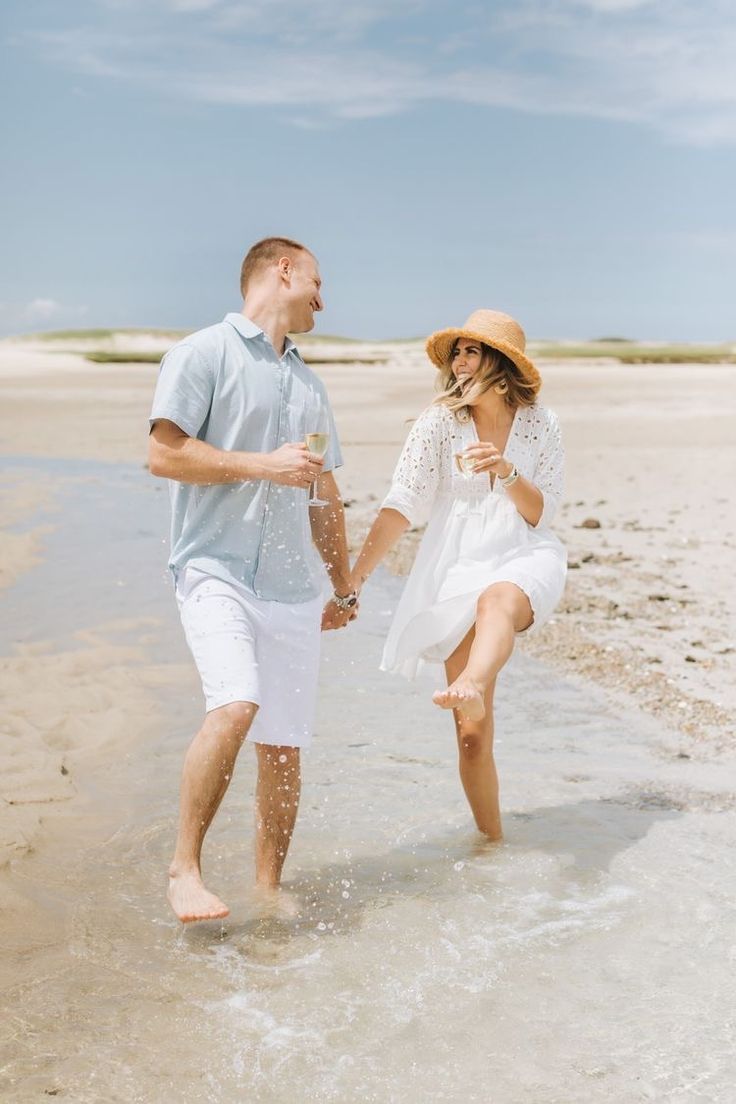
493, 328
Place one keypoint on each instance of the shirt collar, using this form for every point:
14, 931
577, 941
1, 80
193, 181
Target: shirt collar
249, 329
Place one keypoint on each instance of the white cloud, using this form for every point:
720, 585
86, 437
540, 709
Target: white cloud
19, 316
666, 64
612, 6
40, 310
707, 241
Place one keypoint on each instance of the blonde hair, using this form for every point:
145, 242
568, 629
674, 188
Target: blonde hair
496, 369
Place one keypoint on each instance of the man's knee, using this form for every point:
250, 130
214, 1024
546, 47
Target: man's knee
235, 718
278, 758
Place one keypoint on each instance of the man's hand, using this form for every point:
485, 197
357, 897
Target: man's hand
335, 618
292, 465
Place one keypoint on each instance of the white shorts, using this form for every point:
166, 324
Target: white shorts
247, 649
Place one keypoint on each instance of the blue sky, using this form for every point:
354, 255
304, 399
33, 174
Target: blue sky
570, 161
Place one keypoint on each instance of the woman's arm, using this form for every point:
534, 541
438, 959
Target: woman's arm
386, 530
526, 497
536, 501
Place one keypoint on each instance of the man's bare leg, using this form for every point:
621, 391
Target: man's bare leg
277, 801
208, 768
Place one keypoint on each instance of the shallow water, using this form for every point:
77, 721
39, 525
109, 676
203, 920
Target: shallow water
590, 957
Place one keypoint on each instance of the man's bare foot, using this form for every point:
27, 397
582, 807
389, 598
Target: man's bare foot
463, 695
278, 902
191, 901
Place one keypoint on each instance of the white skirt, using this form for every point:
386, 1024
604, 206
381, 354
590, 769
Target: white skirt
469, 544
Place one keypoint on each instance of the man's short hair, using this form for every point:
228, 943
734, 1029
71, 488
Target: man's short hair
265, 253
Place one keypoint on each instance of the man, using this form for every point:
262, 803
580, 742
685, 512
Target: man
232, 407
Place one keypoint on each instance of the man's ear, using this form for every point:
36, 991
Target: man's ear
286, 268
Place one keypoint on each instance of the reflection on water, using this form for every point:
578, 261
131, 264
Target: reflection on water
581, 960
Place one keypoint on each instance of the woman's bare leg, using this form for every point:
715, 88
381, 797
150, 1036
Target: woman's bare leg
475, 750
502, 611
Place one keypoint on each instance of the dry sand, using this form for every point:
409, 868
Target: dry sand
649, 612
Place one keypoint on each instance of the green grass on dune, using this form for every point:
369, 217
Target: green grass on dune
131, 357
104, 335
677, 358
101, 356
630, 352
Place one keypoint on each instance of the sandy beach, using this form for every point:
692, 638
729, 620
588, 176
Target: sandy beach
617, 753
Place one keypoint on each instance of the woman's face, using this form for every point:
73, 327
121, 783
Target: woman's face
466, 359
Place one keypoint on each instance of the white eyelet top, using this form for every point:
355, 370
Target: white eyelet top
426, 467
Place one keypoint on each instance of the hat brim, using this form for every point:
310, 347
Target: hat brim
439, 350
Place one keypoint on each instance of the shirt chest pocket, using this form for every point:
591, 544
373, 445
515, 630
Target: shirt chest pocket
295, 421
301, 412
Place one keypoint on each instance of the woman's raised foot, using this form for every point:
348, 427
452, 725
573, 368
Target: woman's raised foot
464, 695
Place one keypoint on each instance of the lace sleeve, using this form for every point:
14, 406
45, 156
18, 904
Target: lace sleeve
417, 475
550, 471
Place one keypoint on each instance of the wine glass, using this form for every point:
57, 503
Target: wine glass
465, 465
317, 441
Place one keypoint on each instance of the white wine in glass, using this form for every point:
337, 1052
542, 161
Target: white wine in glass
317, 443
465, 465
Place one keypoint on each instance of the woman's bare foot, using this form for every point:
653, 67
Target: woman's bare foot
191, 901
463, 695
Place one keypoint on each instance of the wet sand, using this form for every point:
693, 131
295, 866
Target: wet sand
582, 960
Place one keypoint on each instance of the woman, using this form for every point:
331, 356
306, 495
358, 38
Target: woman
485, 462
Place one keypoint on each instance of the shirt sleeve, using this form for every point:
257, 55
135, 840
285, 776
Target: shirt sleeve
550, 471
184, 390
417, 475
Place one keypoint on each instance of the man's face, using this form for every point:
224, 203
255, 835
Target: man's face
304, 293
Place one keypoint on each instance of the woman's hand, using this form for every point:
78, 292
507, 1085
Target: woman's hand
486, 457
333, 617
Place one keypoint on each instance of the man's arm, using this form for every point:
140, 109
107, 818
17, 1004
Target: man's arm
173, 454
328, 534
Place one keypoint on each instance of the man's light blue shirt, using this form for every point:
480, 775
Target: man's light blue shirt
228, 386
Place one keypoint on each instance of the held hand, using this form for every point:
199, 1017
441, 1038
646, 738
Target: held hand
292, 465
488, 458
335, 618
